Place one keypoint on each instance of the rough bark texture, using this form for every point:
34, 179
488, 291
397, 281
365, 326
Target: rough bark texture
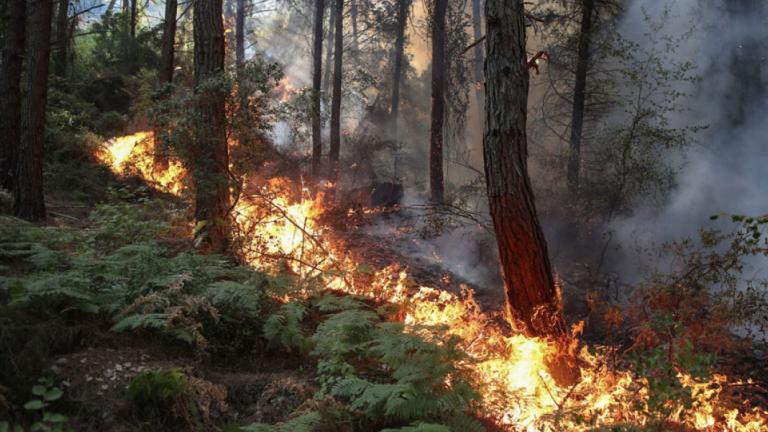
748, 89
30, 203
532, 298
317, 54
436, 181
61, 39
10, 88
579, 96
477, 24
336, 97
210, 155
240, 33
402, 20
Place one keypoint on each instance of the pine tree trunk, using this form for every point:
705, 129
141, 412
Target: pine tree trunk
240, 33
62, 39
579, 97
10, 88
477, 24
532, 298
165, 75
336, 97
30, 203
134, 18
402, 20
329, 48
353, 17
748, 89
436, 180
111, 6
317, 55
210, 158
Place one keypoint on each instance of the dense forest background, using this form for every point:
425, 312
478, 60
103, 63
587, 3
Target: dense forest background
401, 215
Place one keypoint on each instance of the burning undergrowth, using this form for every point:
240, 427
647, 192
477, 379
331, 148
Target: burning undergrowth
280, 230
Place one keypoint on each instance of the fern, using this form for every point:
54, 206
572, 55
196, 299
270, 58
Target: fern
283, 328
304, 423
422, 427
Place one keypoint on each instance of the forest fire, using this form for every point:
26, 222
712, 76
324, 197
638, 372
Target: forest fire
279, 230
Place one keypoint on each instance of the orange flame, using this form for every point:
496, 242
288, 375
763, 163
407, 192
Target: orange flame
280, 230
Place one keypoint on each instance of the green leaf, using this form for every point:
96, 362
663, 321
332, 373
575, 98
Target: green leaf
34, 405
55, 418
39, 390
53, 394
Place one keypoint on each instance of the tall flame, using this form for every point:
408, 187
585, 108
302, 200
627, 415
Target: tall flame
280, 229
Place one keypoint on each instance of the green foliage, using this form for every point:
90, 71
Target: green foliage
283, 328
304, 423
164, 393
121, 224
46, 393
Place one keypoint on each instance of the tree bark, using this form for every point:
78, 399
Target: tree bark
165, 76
579, 96
748, 89
532, 297
317, 54
111, 6
436, 177
329, 48
477, 24
30, 203
338, 62
134, 18
240, 33
210, 158
62, 39
10, 88
353, 17
402, 19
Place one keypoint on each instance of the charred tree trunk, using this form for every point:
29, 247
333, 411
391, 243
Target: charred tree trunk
477, 24
30, 203
165, 75
579, 96
532, 298
436, 177
329, 48
402, 19
240, 33
62, 39
210, 158
10, 88
336, 97
317, 54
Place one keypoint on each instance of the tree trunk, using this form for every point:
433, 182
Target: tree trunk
579, 96
62, 39
210, 159
748, 89
329, 48
10, 88
353, 17
240, 33
336, 97
110, 6
30, 203
317, 54
167, 60
477, 24
532, 298
436, 182
165, 75
134, 18
402, 19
